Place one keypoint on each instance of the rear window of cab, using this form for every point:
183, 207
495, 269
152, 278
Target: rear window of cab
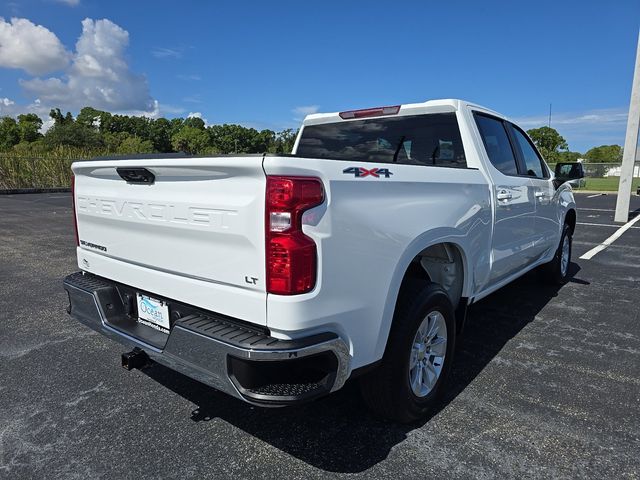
428, 139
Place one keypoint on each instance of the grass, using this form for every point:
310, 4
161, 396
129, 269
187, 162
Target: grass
40, 168
30, 172
607, 184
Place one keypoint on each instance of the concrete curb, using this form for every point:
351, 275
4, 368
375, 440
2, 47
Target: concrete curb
15, 191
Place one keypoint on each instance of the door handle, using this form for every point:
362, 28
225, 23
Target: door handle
539, 194
504, 195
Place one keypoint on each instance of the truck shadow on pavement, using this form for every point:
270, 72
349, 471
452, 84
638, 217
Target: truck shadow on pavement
337, 433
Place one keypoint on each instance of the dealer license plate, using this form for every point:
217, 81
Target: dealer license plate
153, 313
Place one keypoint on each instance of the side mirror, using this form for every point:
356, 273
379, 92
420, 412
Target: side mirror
566, 172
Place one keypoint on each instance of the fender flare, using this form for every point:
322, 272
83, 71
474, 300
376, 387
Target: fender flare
423, 241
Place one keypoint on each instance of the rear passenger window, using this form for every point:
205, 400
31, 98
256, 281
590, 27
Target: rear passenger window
533, 162
496, 141
430, 139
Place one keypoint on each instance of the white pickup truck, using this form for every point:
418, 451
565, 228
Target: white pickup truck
276, 278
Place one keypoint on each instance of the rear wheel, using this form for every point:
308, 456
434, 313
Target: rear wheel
418, 356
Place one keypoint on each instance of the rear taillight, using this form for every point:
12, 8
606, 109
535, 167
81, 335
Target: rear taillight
291, 256
73, 204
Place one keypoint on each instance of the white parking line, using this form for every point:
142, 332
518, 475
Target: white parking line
596, 195
617, 234
598, 209
603, 225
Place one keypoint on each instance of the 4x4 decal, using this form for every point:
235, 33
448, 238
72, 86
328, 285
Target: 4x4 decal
361, 172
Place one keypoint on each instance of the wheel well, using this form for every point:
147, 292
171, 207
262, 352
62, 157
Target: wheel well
440, 263
570, 219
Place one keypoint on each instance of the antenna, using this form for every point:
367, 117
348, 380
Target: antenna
550, 115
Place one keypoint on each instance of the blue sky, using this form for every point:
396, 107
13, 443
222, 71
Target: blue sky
266, 64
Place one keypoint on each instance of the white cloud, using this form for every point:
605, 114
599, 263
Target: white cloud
303, 111
11, 109
198, 115
71, 3
30, 47
166, 53
155, 110
47, 123
604, 117
99, 75
585, 129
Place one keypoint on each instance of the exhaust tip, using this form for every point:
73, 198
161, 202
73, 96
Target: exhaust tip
136, 358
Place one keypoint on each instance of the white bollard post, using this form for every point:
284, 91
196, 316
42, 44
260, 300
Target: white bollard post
630, 146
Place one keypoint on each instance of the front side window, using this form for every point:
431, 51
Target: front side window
430, 139
496, 141
533, 163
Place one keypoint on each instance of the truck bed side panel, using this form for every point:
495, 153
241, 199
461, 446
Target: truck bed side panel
367, 233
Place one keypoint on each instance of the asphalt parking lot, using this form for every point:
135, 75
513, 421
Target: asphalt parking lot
546, 383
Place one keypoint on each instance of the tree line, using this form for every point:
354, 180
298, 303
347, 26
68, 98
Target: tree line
100, 132
554, 148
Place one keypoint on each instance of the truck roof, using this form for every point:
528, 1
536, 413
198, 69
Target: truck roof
430, 106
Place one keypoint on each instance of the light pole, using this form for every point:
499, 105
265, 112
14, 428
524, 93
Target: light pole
630, 145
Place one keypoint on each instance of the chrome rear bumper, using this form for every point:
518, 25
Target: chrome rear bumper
232, 356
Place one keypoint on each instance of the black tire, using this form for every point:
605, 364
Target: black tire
387, 390
553, 270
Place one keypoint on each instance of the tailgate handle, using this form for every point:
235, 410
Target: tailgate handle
136, 175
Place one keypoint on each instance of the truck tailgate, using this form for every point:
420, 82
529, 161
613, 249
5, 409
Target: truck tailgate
201, 219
